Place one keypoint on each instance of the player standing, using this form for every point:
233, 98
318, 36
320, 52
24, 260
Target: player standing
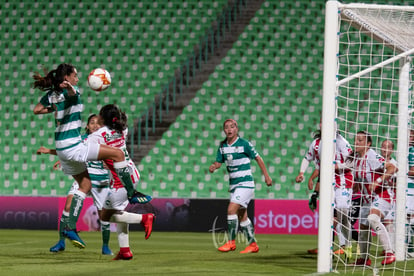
114, 133
100, 185
369, 173
381, 215
237, 152
63, 99
343, 180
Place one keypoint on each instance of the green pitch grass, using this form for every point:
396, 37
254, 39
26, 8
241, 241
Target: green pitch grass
25, 252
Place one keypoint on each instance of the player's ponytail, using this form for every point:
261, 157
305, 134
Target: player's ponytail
54, 78
113, 117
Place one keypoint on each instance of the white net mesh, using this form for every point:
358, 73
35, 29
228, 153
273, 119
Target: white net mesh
370, 37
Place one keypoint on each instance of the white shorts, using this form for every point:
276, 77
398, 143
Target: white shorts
343, 198
73, 160
98, 194
410, 201
117, 199
242, 196
382, 205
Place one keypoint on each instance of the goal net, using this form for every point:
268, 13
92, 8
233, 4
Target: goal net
367, 90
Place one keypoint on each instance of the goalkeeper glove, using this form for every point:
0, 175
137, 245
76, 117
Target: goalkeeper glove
312, 201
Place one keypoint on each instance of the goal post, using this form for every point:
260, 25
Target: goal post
367, 85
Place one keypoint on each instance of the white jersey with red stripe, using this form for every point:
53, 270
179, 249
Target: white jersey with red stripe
314, 153
344, 177
112, 138
367, 169
342, 151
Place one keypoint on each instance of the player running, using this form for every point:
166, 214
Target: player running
237, 152
62, 98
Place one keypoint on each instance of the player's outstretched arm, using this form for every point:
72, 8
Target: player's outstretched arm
262, 166
44, 150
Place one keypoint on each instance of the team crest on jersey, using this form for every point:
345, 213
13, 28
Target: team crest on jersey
229, 157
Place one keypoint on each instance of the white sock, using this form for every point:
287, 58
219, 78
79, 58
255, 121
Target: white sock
381, 231
391, 232
126, 217
123, 234
341, 237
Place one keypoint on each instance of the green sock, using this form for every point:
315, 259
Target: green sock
106, 232
63, 222
75, 209
248, 230
232, 226
125, 177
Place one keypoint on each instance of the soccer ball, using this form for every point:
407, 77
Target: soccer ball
99, 79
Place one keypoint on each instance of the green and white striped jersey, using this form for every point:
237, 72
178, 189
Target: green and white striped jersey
67, 117
237, 157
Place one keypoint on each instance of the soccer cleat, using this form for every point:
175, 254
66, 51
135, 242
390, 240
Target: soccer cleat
106, 250
147, 222
251, 248
362, 261
313, 251
389, 258
340, 251
123, 254
228, 246
348, 252
74, 237
60, 246
140, 198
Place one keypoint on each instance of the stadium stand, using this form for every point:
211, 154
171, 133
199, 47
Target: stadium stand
142, 43
257, 84
270, 82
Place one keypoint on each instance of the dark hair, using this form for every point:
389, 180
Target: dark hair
317, 134
89, 120
113, 117
54, 78
367, 135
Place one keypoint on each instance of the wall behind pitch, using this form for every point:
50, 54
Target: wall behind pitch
172, 214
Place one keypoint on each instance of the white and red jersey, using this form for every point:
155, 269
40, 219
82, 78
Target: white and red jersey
367, 169
112, 138
342, 151
314, 153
